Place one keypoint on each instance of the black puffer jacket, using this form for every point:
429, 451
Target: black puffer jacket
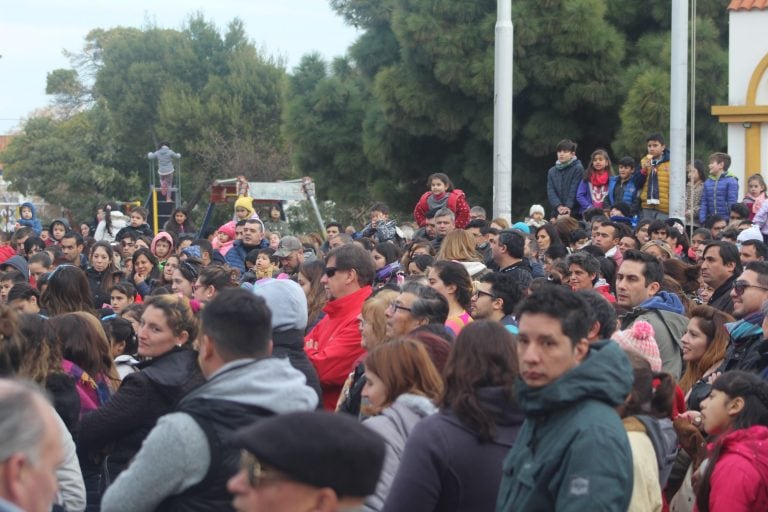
290, 344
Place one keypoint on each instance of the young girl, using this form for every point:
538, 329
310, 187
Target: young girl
593, 189
179, 223
755, 194
442, 195
162, 247
735, 475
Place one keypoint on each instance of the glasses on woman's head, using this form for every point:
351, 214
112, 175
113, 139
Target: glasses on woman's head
739, 287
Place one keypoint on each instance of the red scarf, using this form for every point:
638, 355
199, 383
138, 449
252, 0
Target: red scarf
598, 179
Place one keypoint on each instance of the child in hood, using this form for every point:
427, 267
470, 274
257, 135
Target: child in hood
225, 238
28, 217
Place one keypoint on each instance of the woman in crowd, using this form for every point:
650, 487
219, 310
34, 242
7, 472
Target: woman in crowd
100, 273
168, 327
419, 265
697, 175
86, 352
452, 460
735, 413
133, 313
309, 278
171, 264
67, 291
547, 236
704, 344
123, 345
212, 280
417, 248
658, 249
145, 271
185, 277
386, 260
459, 245
401, 388
114, 221
373, 327
452, 280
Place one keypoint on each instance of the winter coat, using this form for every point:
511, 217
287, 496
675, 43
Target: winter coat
333, 346
446, 468
572, 453
143, 230
395, 424
118, 221
34, 222
666, 314
739, 481
721, 297
646, 491
165, 473
134, 409
164, 157
718, 196
747, 349
655, 183
562, 183
235, 257
457, 203
584, 196
95, 280
290, 344
629, 192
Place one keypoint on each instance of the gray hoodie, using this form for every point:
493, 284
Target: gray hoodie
175, 456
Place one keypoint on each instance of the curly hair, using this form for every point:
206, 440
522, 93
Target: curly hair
178, 314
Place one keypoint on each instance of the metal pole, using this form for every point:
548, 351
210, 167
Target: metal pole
309, 190
678, 99
502, 113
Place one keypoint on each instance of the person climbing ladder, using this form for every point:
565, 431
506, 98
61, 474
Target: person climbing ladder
164, 156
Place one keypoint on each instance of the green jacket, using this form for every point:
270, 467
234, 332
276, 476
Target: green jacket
572, 453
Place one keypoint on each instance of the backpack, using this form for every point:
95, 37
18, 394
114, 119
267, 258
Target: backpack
664, 440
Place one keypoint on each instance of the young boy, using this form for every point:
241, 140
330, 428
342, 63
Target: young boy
138, 224
654, 168
57, 229
721, 190
28, 218
625, 188
563, 180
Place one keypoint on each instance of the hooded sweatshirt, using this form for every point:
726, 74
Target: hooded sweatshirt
118, 220
19, 263
572, 452
739, 482
166, 467
34, 222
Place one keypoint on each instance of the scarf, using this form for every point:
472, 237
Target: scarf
559, 166
598, 188
440, 201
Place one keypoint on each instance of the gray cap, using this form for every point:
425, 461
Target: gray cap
288, 244
286, 300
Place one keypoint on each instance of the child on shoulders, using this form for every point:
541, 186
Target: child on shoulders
442, 194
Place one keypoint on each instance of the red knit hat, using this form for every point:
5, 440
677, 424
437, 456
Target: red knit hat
640, 337
229, 229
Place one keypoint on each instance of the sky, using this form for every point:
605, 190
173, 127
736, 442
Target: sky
34, 33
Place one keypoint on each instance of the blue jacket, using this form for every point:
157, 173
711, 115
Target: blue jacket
718, 196
34, 222
562, 184
631, 194
235, 257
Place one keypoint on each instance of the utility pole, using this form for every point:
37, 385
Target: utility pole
502, 112
678, 104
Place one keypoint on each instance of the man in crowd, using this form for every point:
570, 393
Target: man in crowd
253, 238
477, 213
333, 345
509, 254
445, 222
72, 249
638, 288
495, 298
752, 250
720, 266
572, 452
290, 253
607, 237
416, 306
244, 385
749, 293
479, 229
30, 449
292, 462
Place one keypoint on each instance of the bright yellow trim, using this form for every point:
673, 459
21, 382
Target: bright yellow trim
739, 110
154, 210
754, 81
752, 150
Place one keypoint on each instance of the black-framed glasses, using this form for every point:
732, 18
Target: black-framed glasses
330, 272
394, 306
739, 287
257, 473
480, 293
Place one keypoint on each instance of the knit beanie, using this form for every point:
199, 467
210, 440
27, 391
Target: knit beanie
521, 226
640, 337
228, 229
536, 208
245, 202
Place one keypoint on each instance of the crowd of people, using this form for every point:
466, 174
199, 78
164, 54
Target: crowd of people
598, 355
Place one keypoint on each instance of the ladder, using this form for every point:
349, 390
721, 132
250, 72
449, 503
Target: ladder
160, 210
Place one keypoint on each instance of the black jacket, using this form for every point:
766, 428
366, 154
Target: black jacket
290, 344
721, 298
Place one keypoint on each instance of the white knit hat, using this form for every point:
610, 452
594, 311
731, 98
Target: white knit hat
536, 208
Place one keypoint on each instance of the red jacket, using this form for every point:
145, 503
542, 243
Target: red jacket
333, 345
457, 203
739, 482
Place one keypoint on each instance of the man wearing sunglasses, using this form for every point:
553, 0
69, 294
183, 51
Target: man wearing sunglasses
333, 345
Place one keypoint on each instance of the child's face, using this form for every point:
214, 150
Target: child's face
26, 212
262, 262
274, 214
37, 269
564, 156
625, 172
655, 149
136, 220
715, 167
180, 218
162, 248
616, 213
58, 231
599, 162
537, 216
44, 235
274, 241
755, 188
119, 300
438, 187
223, 237
241, 213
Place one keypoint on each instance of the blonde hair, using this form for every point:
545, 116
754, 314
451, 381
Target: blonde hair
458, 245
373, 313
